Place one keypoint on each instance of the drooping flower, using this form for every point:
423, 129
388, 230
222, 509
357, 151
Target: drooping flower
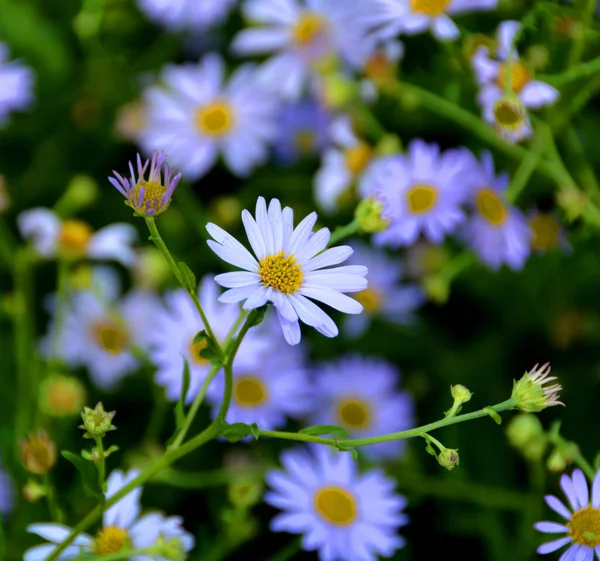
582, 526
384, 298
152, 196
421, 191
304, 36
292, 266
416, 16
342, 165
508, 86
497, 232
16, 85
75, 239
122, 528
340, 512
193, 15
195, 115
171, 337
361, 395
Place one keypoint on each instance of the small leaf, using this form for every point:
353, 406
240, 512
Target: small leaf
493, 414
188, 278
255, 431
209, 354
352, 451
430, 449
318, 430
199, 337
237, 431
86, 469
260, 315
180, 407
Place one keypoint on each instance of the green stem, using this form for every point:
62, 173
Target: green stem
504, 406
343, 232
583, 70
557, 440
229, 339
100, 463
128, 554
7, 243
201, 480
156, 237
55, 513
524, 173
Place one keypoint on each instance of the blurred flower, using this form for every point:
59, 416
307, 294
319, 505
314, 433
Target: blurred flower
415, 16
148, 197
7, 494
75, 239
424, 259
16, 85
61, 396
130, 121
380, 68
342, 165
122, 528
421, 191
360, 395
497, 232
293, 265
526, 433
583, 520
38, 452
276, 387
304, 37
547, 231
511, 118
104, 336
193, 15
341, 513
150, 270
384, 297
196, 116
302, 130
530, 392
172, 332
507, 74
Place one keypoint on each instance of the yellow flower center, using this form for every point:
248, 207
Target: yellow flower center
421, 198
74, 236
546, 230
508, 114
304, 140
336, 505
64, 397
249, 392
354, 413
111, 336
281, 273
109, 540
520, 75
584, 526
215, 119
491, 207
429, 7
196, 349
307, 28
371, 300
153, 194
358, 157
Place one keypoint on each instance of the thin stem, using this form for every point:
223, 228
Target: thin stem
524, 173
7, 244
55, 513
228, 340
201, 480
555, 438
343, 232
101, 462
583, 70
504, 406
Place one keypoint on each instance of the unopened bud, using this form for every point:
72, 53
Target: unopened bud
523, 429
460, 393
389, 145
448, 458
97, 422
38, 452
81, 192
33, 491
150, 270
437, 288
368, 214
245, 494
226, 210
61, 396
561, 457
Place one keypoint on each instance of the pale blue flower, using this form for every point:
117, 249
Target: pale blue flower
342, 514
292, 266
7, 494
497, 231
16, 85
193, 15
195, 115
582, 519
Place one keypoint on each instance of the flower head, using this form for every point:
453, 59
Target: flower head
582, 527
530, 392
148, 197
38, 452
61, 396
186, 14
291, 266
341, 513
16, 85
97, 422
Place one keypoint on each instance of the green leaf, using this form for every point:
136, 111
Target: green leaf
237, 431
209, 354
188, 278
430, 449
318, 430
87, 470
260, 315
352, 451
493, 415
255, 431
199, 337
185, 386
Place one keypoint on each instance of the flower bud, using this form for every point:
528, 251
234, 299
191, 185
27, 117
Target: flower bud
97, 422
437, 288
226, 210
448, 458
338, 91
530, 394
38, 452
61, 396
245, 494
523, 429
150, 270
369, 217
460, 393
561, 457
390, 144
33, 491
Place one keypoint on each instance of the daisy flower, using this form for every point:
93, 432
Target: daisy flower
497, 232
421, 191
384, 298
74, 239
364, 409
275, 388
122, 527
507, 75
303, 35
152, 196
582, 520
196, 115
341, 513
16, 85
291, 266
416, 16
380, 67
342, 165
171, 334
193, 15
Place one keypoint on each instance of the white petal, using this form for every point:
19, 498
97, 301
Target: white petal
41, 226
264, 225
255, 236
337, 281
237, 279
329, 257
290, 329
506, 35
302, 232
232, 251
538, 94
259, 41
316, 243
259, 297
552, 546
114, 242
336, 300
312, 315
235, 295
276, 221
444, 28
284, 306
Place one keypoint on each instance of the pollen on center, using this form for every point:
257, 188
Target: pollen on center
584, 527
111, 336
519, 77
429, 7
281, 273
215, 119
74, 236
336, 505
491, 207
307, 28
421, 198
196, 349
371, 300
249, 391
358, 157
354, 413
109, 540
